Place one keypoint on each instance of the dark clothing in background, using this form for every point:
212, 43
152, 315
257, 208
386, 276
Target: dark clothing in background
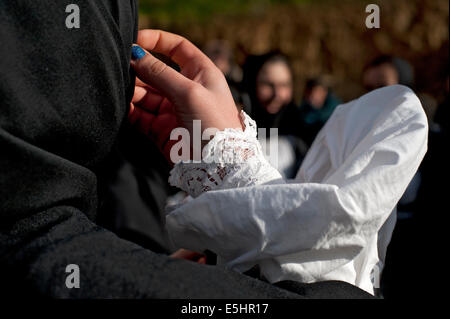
313, 119
442, 116
287, 120
64, 95
419, 244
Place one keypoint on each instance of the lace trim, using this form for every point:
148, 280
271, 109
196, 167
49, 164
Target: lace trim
232, 158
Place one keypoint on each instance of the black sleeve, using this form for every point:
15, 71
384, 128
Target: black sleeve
64, 95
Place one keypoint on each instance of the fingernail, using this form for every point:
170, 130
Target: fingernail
137, 52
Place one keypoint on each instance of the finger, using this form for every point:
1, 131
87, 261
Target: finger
141, 83
146, 99
132, 117
185, 254
139, 94
179, 49
157, 74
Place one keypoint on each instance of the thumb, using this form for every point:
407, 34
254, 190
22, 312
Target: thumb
158, 74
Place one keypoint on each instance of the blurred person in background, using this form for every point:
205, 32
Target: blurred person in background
221, 53
387, 70
269, 80
316, 108
418, 209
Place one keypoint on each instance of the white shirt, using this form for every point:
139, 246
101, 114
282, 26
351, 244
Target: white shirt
333, 221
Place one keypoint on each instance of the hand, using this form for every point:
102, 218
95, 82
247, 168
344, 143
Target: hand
189, 255
165, 99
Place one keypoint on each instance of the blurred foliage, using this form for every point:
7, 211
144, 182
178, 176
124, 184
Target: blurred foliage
326, 38
201, 10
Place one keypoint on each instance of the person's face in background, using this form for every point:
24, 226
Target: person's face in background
220, 53
274, 87
222, 62
316, 96
379, 76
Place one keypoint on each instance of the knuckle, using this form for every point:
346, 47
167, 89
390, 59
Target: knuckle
157, 67
193, 91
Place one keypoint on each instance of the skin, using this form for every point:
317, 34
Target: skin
274, 86
189, 255
317, 96
165, 99
223, 63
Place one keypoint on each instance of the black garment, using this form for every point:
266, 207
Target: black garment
133, 189
287, 120
442, 116
312, 119
419, 246
64, 95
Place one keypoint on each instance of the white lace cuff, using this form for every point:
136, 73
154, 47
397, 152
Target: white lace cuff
232, 158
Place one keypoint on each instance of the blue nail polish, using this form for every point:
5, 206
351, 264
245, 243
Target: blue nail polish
137, 52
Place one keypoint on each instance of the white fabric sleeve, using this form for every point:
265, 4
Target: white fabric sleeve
232, 159
350, 181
